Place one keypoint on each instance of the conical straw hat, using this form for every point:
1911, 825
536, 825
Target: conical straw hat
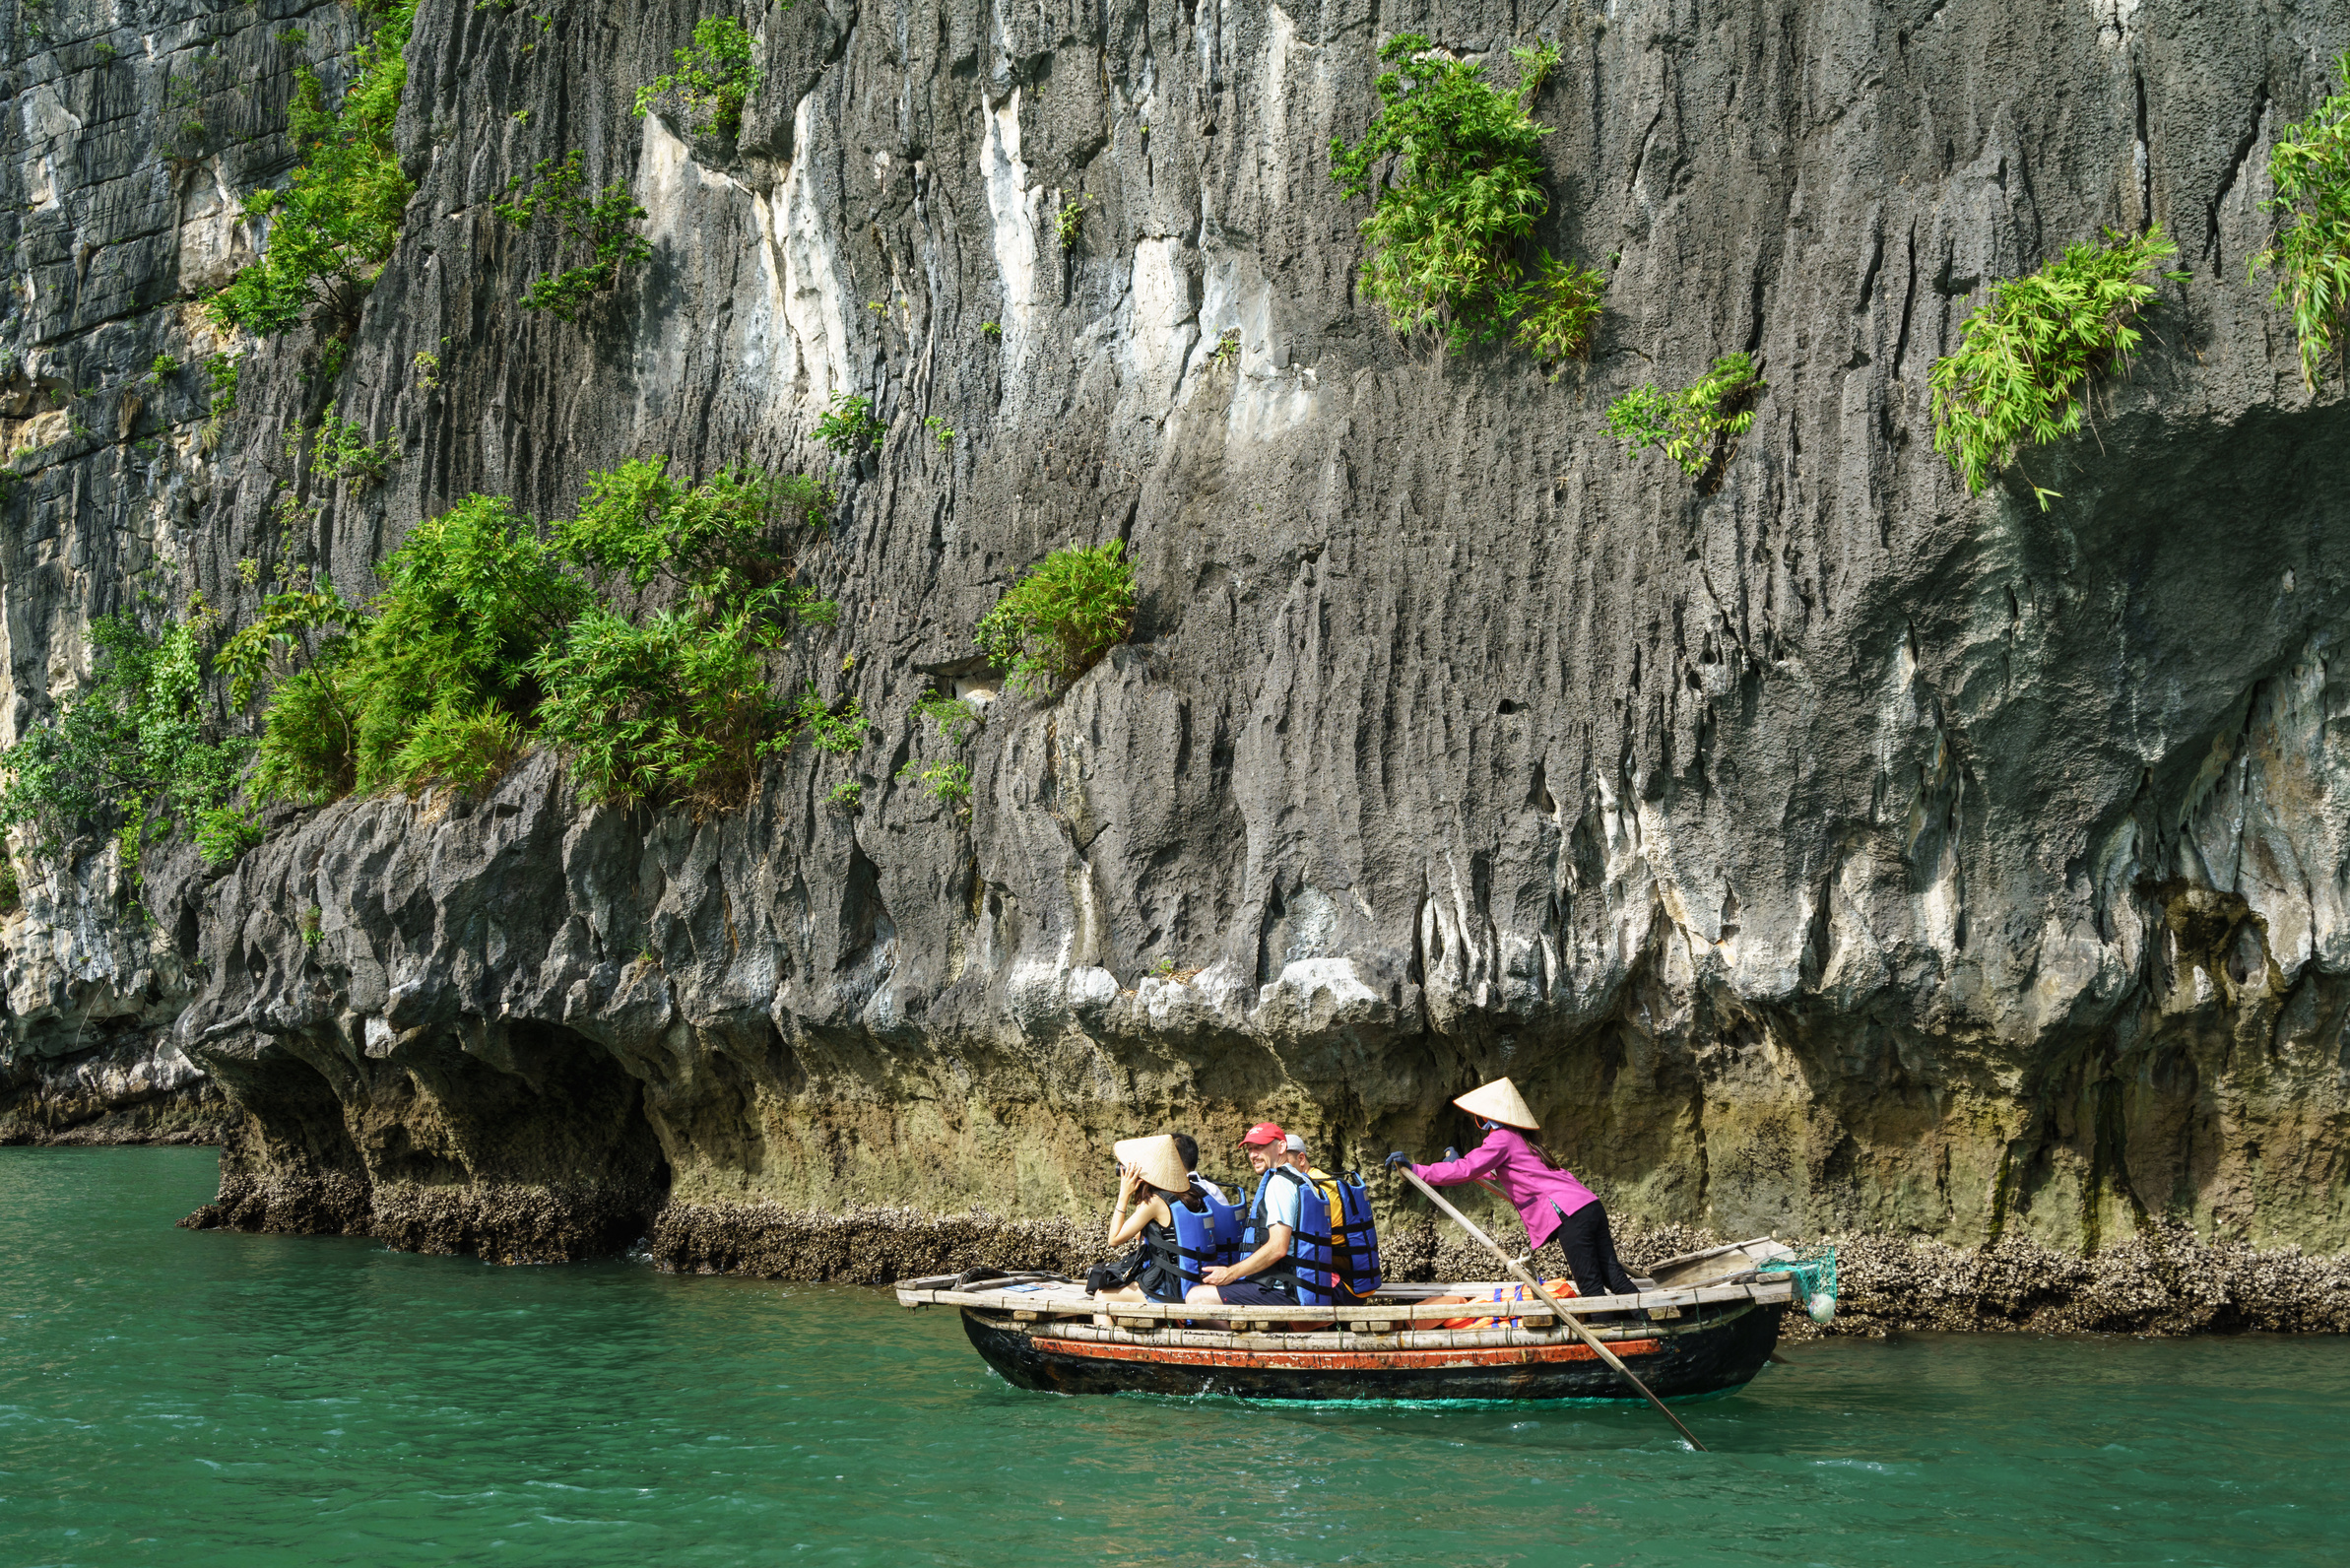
1156, 1160
1499, 1101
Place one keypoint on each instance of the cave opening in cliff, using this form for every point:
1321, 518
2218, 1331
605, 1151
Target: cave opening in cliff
524, 1143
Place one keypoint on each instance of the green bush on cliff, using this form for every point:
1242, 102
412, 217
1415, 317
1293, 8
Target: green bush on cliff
2026, 355
136, 747
957, 718
715, 540
1064, 614
332, 229
1449, 229
711, 79
2309, 169
1700, 424
470, 597
593, 225
849, 425
634, 639
675, 704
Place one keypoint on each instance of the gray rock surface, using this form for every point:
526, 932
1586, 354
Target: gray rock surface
1821, 850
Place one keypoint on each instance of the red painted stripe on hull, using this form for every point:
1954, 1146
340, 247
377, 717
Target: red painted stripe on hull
1337, 1360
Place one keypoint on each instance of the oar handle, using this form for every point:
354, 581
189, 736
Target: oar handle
1566, 1317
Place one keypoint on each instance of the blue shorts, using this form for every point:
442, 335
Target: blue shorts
1249, 1293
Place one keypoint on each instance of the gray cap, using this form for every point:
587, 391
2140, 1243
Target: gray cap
1296, 1145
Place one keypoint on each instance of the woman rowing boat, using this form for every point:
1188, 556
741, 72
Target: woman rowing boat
1546, 1194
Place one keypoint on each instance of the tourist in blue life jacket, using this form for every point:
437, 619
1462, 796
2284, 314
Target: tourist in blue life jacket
1267, 1276
1189, 1148
1550, 1198
1152, 1176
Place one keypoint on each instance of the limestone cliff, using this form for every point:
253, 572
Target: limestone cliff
1821, 849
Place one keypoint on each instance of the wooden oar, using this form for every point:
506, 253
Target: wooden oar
1571, 1320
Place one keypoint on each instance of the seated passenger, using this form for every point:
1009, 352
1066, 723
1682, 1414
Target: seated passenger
1152, 1176
1354, 1235
1189, 1148
1267, 1276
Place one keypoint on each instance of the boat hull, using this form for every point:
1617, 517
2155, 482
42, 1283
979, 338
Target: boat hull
1684, 1364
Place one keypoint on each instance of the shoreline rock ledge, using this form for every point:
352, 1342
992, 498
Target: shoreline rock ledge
1824, 850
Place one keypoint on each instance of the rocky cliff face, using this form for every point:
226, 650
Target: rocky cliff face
1820, 849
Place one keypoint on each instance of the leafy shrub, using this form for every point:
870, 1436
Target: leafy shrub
712, 79
1058, 620
848, 795
220, 380
457, 744
224, 831
2026, 353
594, 224
1560, 308
2309, 168
341, 451
640, 525
1069, 224
488, 638
676, 704
948, 783
1688, 424
163, 369
470, 597
1447, 231
1534, 66
135, 748
837, 730
957, 719
333, 227
849, 425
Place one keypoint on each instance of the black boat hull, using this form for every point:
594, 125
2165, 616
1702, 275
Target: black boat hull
1711, 1358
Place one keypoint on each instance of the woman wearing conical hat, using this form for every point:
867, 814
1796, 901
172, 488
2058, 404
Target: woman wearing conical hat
1154, 1177
1550, 1198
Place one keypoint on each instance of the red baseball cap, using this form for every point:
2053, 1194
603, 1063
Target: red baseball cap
1265, 1133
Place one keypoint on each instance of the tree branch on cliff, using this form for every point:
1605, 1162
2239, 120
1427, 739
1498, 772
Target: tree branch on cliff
2311, 172
333, 227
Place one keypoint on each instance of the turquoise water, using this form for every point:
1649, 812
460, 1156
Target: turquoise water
194, 1398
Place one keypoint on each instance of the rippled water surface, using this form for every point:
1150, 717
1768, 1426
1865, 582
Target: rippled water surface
178, 1398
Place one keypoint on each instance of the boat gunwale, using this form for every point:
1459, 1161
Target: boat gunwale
1046, 1334
1776, 1289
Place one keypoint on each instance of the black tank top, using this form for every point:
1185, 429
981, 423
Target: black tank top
1161, 1277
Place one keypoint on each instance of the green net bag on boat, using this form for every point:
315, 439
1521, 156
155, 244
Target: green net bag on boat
1814, 1272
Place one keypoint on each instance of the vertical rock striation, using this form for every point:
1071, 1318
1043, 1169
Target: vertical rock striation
1821, 849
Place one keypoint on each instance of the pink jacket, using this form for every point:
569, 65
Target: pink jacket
1506, 1161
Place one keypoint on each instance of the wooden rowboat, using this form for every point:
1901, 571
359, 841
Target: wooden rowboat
1704, 1323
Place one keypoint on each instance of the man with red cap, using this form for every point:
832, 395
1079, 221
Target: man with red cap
1266, 1278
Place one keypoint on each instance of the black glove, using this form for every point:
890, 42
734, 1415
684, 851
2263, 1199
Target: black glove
1399, 1158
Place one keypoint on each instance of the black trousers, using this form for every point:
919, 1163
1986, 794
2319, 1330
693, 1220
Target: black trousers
1590, 1253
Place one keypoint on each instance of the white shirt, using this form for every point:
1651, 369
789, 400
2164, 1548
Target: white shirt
1211, 1187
